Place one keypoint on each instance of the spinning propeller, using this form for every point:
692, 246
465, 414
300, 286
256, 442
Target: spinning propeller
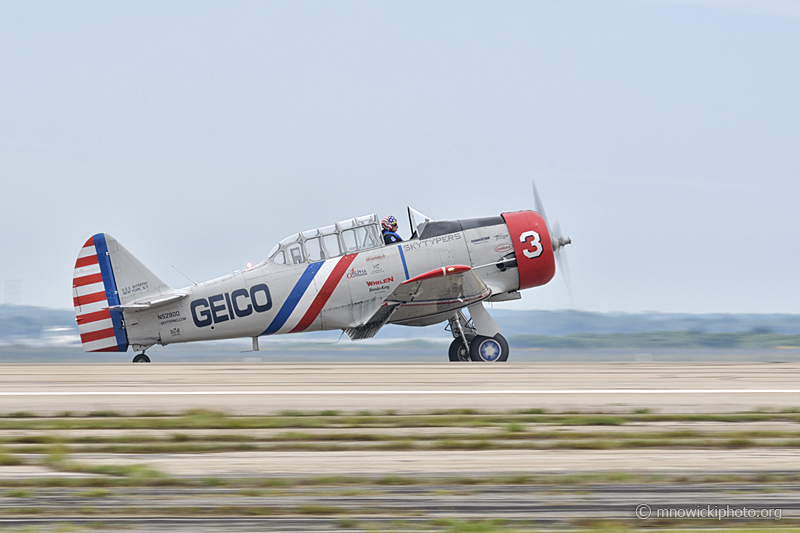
558, 240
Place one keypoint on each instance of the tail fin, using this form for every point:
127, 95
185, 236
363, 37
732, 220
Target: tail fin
107, 275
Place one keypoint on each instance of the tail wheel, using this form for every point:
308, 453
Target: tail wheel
141, 358
459, 352
489, 349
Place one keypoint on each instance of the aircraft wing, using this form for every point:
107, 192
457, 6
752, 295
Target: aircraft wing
433, 293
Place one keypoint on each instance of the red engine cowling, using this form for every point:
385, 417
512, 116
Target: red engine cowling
532, 248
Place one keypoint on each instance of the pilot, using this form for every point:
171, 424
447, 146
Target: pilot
390, 230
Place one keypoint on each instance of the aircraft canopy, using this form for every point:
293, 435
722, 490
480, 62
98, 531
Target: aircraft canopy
346, 237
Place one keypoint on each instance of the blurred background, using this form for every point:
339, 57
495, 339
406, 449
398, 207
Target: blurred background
662, 135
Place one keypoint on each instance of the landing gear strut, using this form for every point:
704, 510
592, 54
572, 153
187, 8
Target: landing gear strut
141, 358
463, 333
458, 350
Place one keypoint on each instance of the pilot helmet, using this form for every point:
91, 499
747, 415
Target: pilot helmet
389, 223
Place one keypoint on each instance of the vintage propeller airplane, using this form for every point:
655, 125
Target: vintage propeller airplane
341, 276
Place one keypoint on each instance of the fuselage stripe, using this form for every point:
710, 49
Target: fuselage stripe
294, 298
403, 258
325, 293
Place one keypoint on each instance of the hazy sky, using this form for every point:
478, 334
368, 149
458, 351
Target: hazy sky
663, 135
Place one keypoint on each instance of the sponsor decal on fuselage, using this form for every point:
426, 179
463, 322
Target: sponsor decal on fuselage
379, 288
501, 236
384, 281
356, 273
223, 307
480, 241
503, 248
427, 243
376, 257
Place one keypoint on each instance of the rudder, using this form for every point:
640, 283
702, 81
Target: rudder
94, 290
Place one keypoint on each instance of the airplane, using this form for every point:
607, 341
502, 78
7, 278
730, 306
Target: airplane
338, 277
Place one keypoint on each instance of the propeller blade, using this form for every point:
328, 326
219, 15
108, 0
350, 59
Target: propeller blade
555, 237
563, 265
537, 202
558, 240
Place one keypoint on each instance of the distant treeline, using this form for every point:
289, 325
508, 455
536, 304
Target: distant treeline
39, 326
28, 322
754, 340
558, 323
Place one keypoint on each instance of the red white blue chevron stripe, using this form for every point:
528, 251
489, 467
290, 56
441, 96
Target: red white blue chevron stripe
303, 306
93, 290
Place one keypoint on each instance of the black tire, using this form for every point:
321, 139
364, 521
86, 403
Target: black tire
141, 358
489, 349
459, 352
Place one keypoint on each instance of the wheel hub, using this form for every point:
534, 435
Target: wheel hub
489, 350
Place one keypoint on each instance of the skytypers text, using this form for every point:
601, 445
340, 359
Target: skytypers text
223, 307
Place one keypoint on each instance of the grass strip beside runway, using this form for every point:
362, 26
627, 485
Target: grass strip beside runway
23, 437
105, 466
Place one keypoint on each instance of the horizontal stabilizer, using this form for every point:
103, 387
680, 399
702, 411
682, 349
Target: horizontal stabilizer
149, 304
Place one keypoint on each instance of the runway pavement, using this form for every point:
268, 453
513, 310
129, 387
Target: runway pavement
465, 463
415, 507
342, 474
263, 388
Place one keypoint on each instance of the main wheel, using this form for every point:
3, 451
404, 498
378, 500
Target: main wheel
489, 349
141, 358
459, 352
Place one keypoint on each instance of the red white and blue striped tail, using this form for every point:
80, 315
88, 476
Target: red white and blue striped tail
93, 292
